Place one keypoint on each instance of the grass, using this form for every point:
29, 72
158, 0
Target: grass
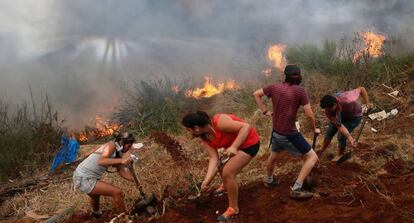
29, 137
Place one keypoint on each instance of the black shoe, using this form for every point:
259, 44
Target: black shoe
97, 215
301, 193
272, 184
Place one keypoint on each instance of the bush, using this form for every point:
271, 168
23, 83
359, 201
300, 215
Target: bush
29, 137
337, 60
155, 106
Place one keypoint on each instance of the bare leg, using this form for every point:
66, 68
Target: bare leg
270, 166
94, 201
230, 171
310, 160
105, 189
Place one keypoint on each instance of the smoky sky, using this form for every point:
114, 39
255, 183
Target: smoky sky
86, 52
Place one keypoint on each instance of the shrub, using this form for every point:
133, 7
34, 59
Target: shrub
29, 137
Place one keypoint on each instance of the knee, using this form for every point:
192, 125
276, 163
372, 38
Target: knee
311, 156
228, 175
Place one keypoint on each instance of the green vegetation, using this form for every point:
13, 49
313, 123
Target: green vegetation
336, 59
155, 106
29, 137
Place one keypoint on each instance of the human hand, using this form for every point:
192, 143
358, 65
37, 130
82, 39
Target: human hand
268, 113
231, 151
204, 186
126, 160
352, 141
317, 131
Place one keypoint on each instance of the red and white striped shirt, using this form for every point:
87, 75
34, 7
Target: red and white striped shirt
286, 100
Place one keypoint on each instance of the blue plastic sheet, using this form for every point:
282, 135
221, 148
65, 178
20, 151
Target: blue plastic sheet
67, 153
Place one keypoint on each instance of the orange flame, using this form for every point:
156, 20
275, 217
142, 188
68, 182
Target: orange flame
102, 129
267, 72
373, 45
83, 137
275, 54
209, 89
175, 88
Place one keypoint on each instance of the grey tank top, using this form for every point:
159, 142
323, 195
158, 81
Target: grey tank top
89, 168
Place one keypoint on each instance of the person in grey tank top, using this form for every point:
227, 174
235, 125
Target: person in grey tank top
87, 176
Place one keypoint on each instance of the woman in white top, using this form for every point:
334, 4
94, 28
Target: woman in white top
87, 176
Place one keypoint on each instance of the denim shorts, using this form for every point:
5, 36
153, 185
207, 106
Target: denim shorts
349, 124
84, 184
293, 143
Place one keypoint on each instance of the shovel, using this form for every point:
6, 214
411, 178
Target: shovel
148, 201
221, 164
348, 155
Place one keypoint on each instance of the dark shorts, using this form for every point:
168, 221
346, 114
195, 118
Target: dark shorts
349, 124
252, 150
293, 143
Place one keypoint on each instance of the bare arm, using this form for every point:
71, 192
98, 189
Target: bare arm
213, 162
311, 117
365, 96
90, 152
342, 129
125, 173
226, 124
258, 97
105, 159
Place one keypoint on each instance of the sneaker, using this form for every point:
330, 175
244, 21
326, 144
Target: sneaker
97, 214
219, 191
301, 193
272, 184
228, 215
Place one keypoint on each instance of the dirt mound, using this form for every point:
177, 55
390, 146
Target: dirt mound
398, 167
172, 146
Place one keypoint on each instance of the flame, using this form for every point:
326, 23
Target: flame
209, 89
83, 137
267, 72
102, 129
275, 54
175, 88
373, 45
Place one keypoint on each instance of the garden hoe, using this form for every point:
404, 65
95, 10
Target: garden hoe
221, 164
147, 202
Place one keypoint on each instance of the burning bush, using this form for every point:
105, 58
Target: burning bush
29, 137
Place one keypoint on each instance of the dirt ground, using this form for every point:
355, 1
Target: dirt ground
376, 185
342, 192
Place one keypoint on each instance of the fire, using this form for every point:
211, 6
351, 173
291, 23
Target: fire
267, 72
275, 54
373, 45
83, 137
175, 88
102, 129
209, 89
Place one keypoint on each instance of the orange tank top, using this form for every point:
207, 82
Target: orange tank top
225, 140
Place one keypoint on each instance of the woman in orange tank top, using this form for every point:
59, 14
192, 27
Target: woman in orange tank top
240, 141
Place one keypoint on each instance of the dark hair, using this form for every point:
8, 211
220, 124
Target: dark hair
327, 101
293, 74
126, 137
198, 118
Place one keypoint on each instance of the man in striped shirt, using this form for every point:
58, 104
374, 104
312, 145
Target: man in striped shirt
286, 98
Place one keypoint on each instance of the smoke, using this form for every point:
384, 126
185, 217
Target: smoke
85, 52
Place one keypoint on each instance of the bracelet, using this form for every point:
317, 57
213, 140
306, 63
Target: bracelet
264, 113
